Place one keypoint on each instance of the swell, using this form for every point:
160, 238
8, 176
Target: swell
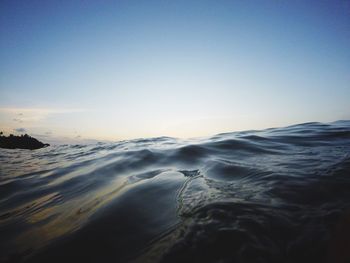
252, 196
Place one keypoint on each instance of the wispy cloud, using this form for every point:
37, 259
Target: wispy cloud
35, 114
17, 120
22, 111
20, 130
37, 120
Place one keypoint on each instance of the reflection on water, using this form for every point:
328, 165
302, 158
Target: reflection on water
278, 195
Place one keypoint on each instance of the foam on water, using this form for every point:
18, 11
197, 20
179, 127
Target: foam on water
278, 195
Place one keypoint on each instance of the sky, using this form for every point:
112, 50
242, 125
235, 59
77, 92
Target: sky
115, 70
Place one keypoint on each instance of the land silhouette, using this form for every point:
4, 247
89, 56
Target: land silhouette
20, 142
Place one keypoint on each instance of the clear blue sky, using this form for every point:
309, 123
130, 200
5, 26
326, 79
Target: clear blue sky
127, 69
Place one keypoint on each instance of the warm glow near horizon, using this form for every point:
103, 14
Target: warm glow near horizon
121, 70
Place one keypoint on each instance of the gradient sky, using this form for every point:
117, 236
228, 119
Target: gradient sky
127, 69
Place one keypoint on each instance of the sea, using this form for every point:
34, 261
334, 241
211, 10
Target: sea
274, 195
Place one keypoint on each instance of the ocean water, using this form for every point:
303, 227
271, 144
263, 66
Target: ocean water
277, 195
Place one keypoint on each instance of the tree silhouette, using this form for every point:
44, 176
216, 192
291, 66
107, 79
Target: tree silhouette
20, 142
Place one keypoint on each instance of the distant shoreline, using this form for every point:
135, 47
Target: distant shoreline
20, 142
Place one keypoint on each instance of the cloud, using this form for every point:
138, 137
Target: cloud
46, 122
17, 120
35, 114
20, 130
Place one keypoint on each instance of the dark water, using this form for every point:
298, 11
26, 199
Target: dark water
278, 195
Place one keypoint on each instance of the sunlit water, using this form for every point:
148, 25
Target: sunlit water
276, 195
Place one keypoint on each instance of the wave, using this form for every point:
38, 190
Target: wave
276, 195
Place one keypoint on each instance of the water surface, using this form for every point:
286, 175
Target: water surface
277, 195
